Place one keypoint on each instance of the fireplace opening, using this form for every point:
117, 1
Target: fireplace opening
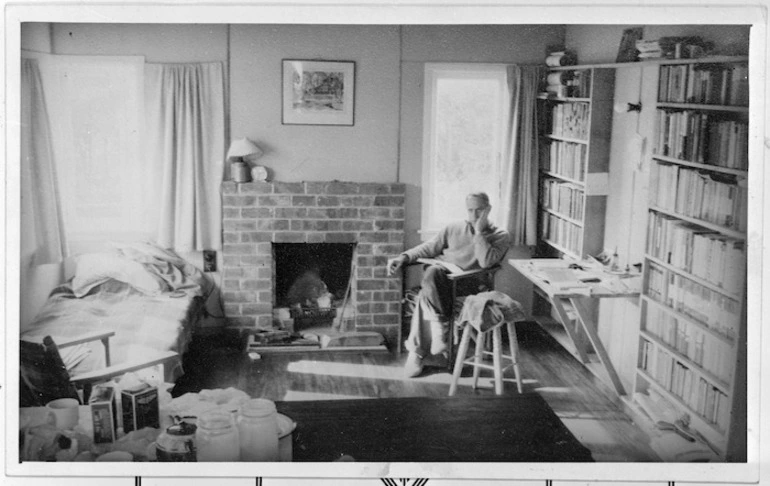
311, 280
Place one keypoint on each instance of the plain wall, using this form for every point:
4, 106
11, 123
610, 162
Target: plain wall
599, 43
364, 152
156, 42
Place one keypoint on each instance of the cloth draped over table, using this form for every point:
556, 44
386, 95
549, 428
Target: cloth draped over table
185, 122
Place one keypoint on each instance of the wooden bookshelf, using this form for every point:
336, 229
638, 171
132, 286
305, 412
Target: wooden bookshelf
575, 143
693, 317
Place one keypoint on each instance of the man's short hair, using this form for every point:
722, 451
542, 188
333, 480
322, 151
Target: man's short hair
481, 196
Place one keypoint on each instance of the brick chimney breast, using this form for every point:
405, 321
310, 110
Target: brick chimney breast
257, 214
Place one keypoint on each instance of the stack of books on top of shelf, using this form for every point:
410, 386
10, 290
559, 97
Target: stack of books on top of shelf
671, 48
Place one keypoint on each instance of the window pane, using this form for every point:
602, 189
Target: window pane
464, 141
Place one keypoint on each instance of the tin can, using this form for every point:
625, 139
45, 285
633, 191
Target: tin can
177, 443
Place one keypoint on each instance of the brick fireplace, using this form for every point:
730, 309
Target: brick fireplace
258, 214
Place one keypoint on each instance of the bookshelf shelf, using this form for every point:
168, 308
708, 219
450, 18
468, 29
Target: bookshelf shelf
693, 319
574, 221
689, 320
718, 383
563, 177
703, 107
614, 65
705, 283
705, 224
696, 165
575, 121
562, 249
567, 139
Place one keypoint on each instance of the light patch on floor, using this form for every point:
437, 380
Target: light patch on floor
375, 372
588, 431
296, 396
553, 389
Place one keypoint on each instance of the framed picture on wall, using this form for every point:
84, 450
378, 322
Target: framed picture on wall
318, 92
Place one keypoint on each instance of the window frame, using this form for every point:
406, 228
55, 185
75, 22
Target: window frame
432, 73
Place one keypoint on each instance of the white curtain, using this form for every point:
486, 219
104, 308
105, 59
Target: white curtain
42, 231
95, 110
184, 109
519, 197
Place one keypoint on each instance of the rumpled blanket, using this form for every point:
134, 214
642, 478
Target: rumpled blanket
486, 310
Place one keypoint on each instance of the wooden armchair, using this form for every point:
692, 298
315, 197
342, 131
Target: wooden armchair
43, 376
464, 283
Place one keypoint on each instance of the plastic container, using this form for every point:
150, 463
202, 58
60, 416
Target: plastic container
216, 438
258, 431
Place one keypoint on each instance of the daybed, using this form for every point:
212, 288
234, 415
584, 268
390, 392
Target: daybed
150, 297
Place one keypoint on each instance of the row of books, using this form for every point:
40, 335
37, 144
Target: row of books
710, 197
561, 232
705, 254
696, 392
713, 355
568, 159
703, 137
563, 197
711, 84
713, 309
571, 120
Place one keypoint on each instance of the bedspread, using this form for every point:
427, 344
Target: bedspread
141, 321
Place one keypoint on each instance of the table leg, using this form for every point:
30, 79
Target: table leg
566, 322
589, 326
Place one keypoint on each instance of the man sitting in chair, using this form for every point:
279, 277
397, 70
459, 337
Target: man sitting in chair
469, 244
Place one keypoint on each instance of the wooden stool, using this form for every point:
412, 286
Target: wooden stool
497, 356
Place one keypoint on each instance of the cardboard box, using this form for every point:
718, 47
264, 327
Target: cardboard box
103, 413
140, 407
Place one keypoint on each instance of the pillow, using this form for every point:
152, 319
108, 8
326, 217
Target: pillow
96, 268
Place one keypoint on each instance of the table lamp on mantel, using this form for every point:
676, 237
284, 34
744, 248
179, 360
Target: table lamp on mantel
240, 153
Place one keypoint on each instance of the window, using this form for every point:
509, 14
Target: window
465, 109
95, 108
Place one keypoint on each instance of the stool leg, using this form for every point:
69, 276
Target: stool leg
460, 358
480, 338
513, 343
497, 359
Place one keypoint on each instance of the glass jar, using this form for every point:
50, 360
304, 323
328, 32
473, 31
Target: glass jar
216, 438
258, 431
177, 443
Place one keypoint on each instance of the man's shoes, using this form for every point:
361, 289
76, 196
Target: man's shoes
438, 339
413, 366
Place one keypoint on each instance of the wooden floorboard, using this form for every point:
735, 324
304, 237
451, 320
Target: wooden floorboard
587, 407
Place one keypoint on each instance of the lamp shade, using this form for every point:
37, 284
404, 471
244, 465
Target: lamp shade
243, 148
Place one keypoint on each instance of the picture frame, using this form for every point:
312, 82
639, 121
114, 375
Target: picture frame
318, 92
